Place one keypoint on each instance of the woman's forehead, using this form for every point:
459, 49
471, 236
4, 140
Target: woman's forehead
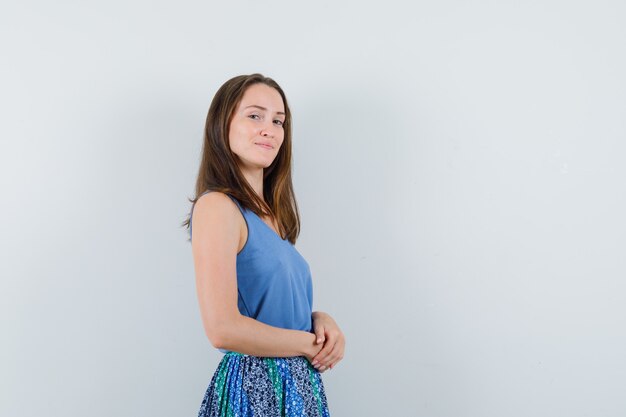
264, 96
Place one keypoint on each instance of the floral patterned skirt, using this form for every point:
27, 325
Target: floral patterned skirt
247, 386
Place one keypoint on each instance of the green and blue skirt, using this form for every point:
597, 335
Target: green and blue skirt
250, 386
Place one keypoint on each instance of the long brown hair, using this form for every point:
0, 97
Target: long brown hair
219, 170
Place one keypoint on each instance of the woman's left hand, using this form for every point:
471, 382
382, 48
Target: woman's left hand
327, 332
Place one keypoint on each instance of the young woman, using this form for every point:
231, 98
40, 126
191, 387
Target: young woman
254, 288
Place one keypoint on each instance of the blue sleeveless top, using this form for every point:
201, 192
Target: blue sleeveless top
273, 279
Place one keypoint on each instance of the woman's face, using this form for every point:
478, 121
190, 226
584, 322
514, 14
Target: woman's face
256, 129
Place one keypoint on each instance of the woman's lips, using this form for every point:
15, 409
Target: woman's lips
264, 146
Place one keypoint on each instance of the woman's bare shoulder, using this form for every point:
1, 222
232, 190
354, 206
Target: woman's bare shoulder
214, 204
215, 222
212, 196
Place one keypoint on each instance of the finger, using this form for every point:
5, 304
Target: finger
332, 358
322, 357
336, 354
319, 332
334, 363
331, 343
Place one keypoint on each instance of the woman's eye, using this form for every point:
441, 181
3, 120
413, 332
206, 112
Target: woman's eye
278, 122
253, 116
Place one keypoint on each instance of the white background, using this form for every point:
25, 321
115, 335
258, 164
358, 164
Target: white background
459, 167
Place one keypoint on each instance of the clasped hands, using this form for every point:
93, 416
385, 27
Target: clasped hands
329, 343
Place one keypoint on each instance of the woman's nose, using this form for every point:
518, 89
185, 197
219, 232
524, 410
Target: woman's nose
267, 131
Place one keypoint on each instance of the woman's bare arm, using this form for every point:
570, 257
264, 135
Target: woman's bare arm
215, 239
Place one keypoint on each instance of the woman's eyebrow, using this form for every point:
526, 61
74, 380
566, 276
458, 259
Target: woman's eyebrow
263, 108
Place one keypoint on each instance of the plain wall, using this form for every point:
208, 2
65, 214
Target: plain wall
459, 167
